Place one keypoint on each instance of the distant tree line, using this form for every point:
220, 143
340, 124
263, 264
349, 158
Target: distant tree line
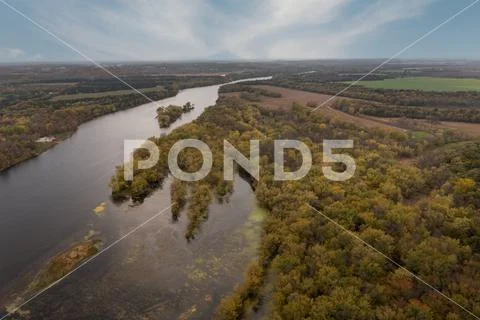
169, 82
356, 107
249, 92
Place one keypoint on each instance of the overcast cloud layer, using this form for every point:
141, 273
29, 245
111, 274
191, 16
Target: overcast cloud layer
215, 29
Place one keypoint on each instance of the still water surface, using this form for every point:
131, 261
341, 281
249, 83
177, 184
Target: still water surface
47, 203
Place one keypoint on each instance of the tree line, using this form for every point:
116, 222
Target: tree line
25, 122
416, 104
355, 107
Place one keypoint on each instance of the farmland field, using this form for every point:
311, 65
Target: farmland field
425, 84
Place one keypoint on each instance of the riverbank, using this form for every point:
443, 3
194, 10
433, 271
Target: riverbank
155, 273
41, 147
64, 187
28, 147
61, 119
29, 117
56, 268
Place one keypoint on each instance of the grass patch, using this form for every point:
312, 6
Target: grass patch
420, 134
424, 84
257, 215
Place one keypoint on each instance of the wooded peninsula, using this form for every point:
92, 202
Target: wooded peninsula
415, 199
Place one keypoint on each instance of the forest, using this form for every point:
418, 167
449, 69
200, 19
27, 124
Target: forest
419, 98
417, 104
249, 93
376, 109
139, 82
29, 111
22, 124
414, 199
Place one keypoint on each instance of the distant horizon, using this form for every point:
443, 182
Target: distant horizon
210, 30
293, 60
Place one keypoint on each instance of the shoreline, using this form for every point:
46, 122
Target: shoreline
64, 136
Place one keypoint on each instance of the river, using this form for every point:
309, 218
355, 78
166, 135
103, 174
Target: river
47, 203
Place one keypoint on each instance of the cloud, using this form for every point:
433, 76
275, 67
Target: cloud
274, 22
17, 55
172, 29
7, 54
328, 43
136, 29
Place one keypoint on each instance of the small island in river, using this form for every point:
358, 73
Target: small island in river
168, 115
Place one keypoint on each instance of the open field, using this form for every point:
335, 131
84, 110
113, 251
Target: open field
94, 95
471, 130
290, 96
425, 84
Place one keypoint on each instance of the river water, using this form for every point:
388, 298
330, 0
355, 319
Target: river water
47, 203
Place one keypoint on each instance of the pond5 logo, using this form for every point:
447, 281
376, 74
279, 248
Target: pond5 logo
250, 165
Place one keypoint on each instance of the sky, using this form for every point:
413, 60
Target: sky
162, 30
